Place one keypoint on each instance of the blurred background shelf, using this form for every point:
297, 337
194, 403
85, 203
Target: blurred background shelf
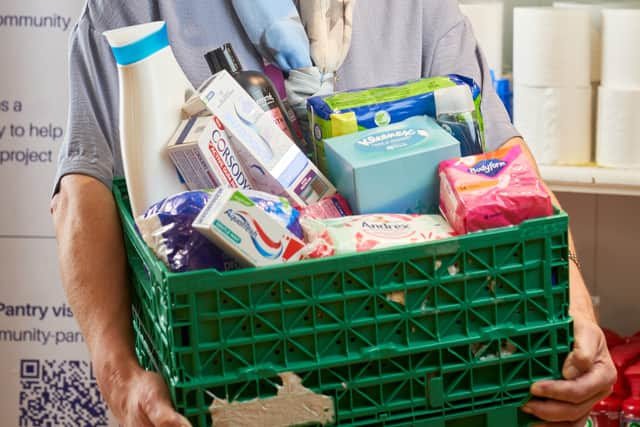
600, 201
592, 180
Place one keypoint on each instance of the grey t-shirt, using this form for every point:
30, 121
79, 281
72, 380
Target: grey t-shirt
392, 41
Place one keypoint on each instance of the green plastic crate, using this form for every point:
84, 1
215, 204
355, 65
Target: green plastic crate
419, 335
482, 413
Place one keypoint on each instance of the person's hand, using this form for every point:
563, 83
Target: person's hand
141, 399
589, 376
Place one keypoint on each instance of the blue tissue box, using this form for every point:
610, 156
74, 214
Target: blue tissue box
391, 169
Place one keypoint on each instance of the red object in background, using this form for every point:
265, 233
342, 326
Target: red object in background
624, 356
614, 410
631, 405
612, 338
606, 413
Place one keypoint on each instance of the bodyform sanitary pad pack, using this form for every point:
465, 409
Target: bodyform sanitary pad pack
491, 190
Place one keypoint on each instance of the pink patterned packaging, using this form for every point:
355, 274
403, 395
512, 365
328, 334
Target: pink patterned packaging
491, 190
362, 233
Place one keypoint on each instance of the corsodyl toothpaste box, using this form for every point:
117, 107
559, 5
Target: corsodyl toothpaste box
201, 151
391, 169
239, 227
274, 162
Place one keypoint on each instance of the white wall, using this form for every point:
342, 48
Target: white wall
45, 372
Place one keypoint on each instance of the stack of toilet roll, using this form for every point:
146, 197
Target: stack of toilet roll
486, 18
618, 134
595, 10
552, 82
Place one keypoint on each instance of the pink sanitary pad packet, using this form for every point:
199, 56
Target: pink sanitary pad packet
491, 190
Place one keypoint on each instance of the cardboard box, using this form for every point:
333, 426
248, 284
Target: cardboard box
201, 151
392, 169
275, 163
239, 227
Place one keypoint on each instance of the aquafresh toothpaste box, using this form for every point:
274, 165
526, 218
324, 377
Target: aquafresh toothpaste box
243, 230
275, 164
201, 151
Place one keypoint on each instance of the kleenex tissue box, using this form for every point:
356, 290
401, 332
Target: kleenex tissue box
391, 169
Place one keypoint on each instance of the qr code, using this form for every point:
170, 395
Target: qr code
60, 393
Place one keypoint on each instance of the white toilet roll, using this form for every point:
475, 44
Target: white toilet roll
555, 123
595, 10
487, 20
618, 128
621, 48
551, 47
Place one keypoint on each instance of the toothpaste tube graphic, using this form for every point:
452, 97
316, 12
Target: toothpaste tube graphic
265, 246
241, 228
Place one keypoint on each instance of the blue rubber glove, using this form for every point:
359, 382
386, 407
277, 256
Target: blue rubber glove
275, 29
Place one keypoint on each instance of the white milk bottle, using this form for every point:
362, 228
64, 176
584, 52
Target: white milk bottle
153, 88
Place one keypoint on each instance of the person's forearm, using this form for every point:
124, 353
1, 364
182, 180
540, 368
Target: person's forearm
580, 300
579, 297
94, 274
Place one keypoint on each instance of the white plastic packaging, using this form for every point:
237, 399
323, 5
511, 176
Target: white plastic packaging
456, 113
153, 88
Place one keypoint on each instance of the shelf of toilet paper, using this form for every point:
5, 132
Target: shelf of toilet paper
571, 72
592, 180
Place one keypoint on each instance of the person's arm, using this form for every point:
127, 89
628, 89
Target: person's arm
94, 275
580, 299
588, 371
90, 246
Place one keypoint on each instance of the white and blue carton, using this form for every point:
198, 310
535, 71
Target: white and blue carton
273, 161
391, 169
244, 231
201, 151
